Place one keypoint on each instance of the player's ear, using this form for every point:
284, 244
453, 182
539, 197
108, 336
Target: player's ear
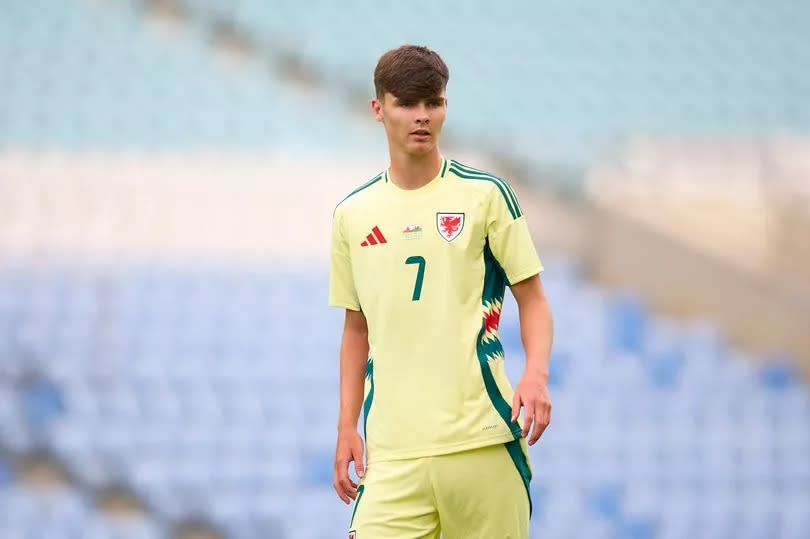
376, 107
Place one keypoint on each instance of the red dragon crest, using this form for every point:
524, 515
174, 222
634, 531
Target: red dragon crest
450, 225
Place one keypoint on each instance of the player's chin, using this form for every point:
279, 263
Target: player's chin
421, 147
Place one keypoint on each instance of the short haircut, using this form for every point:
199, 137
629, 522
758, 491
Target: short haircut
411, 73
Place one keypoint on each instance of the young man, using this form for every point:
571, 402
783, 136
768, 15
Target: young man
421, 255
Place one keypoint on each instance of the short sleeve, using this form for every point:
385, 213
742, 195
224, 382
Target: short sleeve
342, 292
508, 235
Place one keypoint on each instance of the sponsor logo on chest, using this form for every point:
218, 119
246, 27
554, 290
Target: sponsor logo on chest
412, 232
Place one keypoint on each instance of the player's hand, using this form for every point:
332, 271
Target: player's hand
532, 394
349, 449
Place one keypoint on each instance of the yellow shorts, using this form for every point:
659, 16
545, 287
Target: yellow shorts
481, 493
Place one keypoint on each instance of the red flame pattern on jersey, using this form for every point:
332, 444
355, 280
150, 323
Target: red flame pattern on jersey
492, 316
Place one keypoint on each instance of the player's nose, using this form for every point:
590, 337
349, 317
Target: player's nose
422, 113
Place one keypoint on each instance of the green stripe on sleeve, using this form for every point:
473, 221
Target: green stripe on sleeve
501, 181
465, 175
369, 183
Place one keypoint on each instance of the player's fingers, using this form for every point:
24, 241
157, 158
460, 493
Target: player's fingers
339, 491
515, 405
344, 475
528, 419
349, 488
344, 486
536, 428
336, 480
344, 493
357, 456
541, 414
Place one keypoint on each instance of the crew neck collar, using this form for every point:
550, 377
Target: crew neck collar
427, 187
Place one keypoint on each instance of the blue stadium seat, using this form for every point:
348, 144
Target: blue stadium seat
777, 374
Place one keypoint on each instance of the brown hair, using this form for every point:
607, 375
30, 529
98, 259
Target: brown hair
411, 73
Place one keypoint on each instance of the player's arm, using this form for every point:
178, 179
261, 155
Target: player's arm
536, 330
511, 243
353, 357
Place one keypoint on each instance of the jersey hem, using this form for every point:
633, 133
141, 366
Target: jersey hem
516, 278
344, 305
445, 449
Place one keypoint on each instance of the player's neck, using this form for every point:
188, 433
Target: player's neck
413, 172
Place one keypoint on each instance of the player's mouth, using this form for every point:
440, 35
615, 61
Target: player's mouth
421, 133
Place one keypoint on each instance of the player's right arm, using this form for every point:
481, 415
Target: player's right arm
353, 357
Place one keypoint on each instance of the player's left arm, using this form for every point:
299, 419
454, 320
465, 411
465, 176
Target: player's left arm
511, 244
536, 330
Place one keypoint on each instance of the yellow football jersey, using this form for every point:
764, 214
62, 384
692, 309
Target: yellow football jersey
428, 268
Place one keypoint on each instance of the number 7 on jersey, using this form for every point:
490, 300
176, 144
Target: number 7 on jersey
420, 275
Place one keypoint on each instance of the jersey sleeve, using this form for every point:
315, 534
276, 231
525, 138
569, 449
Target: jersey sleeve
342, 292
508, 235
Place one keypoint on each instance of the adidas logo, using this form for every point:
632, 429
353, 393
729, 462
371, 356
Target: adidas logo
374, 238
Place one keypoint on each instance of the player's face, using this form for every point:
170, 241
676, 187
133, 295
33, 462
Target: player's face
413, 127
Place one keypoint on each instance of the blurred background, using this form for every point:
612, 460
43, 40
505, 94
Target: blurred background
168, 171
